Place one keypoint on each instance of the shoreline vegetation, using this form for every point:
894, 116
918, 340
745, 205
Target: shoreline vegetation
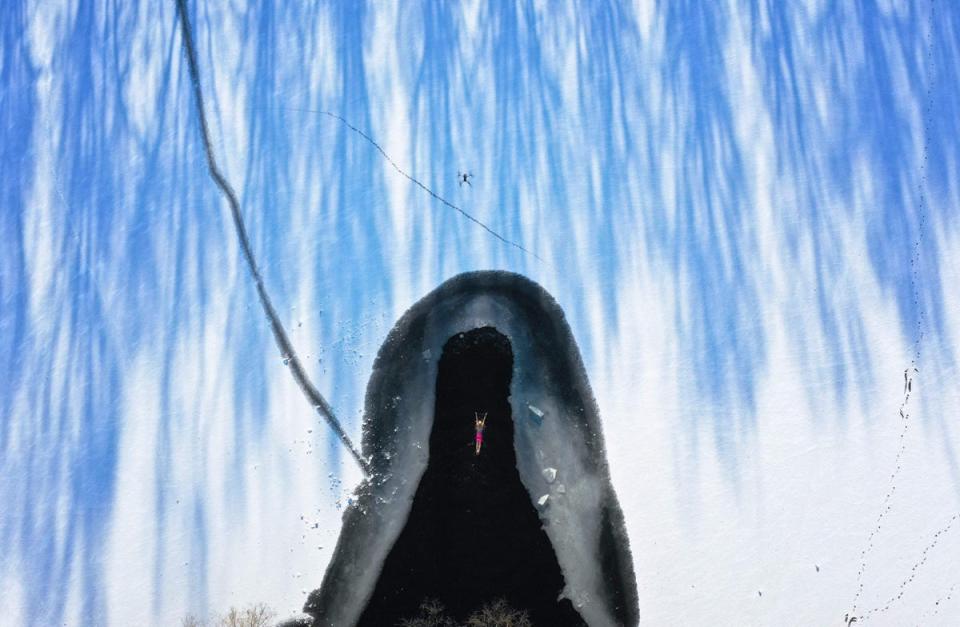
258, 615
494, 614
497, 613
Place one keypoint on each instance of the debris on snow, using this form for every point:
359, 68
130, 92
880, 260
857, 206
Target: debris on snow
542, 501
549, 474
561, 489
301, 620
536, 414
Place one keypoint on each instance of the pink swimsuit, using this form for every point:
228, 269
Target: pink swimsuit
479, 437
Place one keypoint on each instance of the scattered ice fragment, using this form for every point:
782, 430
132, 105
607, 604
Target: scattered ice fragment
561, 489
536, 411
427, 354
542, 501
549, 474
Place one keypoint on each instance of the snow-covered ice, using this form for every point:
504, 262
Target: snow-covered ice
747, 211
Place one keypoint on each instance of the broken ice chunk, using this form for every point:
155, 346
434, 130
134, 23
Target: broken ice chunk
561, 489
537, 413
542, 501
549, 474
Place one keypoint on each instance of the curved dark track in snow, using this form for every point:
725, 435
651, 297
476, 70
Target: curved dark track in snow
290, 358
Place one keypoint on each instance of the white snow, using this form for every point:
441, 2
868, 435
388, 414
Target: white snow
726, 201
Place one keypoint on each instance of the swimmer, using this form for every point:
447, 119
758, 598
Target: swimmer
479, 424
